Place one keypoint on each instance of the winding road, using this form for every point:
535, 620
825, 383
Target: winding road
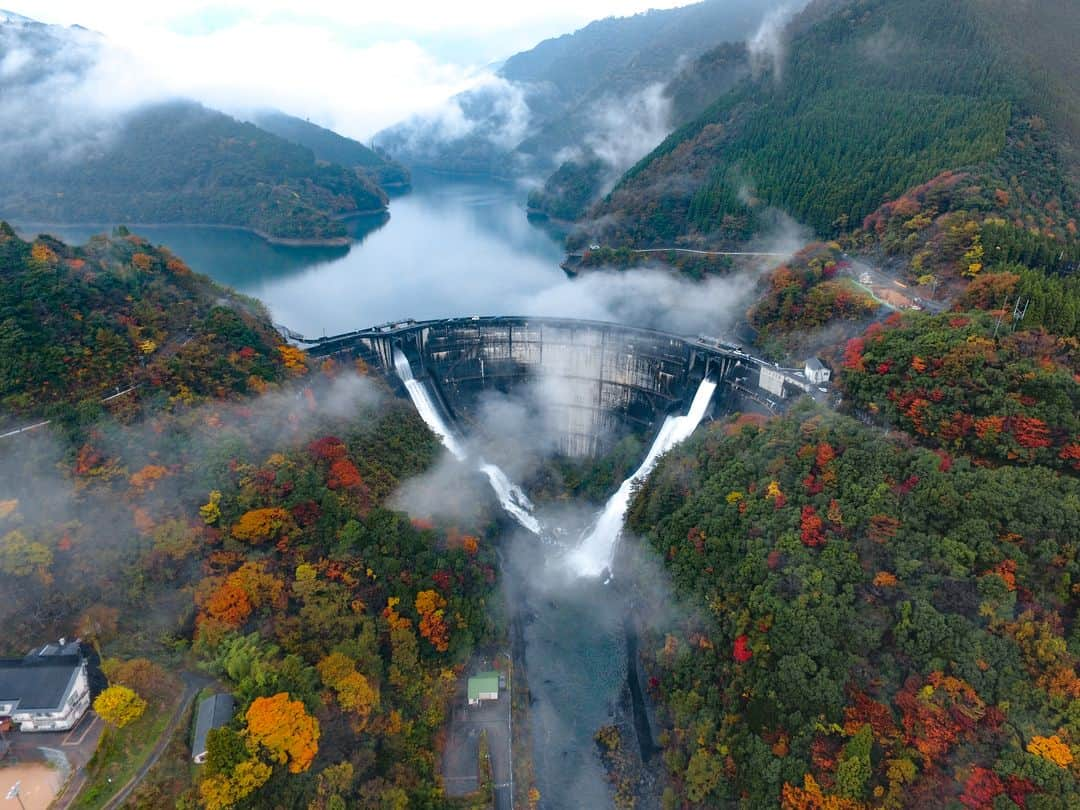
710, 252
192, 684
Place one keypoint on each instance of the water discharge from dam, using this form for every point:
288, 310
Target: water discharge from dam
510, 495
596, 553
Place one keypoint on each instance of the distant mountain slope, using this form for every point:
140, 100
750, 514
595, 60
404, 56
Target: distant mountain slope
181, 162
549, 98
68, 153
593, 167
334, 148
876, 98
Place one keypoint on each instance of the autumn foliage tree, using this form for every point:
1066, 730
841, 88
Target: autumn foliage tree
284, 730
222, 791
431, 607
229, 604
139, 674
355, 692
119, 705
260, 525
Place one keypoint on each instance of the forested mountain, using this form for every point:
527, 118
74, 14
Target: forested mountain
592, 168
585, 90
871, 99
69, 153
331, 147
79, 323
869, 626
229, 515
182, 162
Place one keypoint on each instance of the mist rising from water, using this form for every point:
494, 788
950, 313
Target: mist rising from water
510, 495
595, 555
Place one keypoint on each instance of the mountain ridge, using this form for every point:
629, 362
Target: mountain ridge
161, 160
865, 77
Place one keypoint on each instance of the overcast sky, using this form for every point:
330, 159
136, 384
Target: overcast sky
354, 66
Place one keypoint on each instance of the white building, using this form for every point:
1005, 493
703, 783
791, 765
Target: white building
772, 380
816, 371
48, 690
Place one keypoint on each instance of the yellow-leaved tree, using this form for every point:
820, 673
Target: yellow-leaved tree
119, 705
1051, 749
354, 691
258, 525
221, 791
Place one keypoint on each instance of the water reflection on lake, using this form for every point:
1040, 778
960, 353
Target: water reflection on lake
451, 247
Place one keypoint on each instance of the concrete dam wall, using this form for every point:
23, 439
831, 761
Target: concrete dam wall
585, 384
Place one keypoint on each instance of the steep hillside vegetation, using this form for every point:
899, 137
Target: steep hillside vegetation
872, 626
567, 91
586, 175
78, 323
230, 515
330, 147
875, 99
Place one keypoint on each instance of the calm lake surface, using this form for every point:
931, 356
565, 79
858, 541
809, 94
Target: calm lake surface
451, 247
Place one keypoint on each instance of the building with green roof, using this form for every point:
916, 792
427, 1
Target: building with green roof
483, 686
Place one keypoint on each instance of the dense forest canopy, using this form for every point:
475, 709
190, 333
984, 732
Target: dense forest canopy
870, 101
79, 323
229, 513
872, 600
868, 625
556, 97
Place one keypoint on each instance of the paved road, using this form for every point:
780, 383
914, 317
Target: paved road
460, 757
711, 252
78, 745
36, 425
882, 279
192, 684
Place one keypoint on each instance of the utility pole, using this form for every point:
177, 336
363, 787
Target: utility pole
14, 794
1001, 314
1018, 314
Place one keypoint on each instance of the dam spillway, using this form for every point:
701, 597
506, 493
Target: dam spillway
597, 381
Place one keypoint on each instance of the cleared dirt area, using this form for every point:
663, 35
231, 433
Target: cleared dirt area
38, 783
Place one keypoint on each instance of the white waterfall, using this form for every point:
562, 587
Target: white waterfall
596, 552
426, 407
510, 495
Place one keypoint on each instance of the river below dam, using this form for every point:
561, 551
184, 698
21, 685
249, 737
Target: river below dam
458, 247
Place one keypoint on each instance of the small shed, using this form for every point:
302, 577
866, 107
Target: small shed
214, 712
483, 686
816, 371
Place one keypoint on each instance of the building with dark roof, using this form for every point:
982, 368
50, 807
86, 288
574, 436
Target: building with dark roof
214, 712
47, 690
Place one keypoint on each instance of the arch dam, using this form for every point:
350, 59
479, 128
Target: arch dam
595, 381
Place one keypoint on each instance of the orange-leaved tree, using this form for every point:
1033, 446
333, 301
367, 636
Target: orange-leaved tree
284, 730
229, 604
433, 627
259, 525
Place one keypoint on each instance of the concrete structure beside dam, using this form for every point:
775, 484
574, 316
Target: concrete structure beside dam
583, 384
